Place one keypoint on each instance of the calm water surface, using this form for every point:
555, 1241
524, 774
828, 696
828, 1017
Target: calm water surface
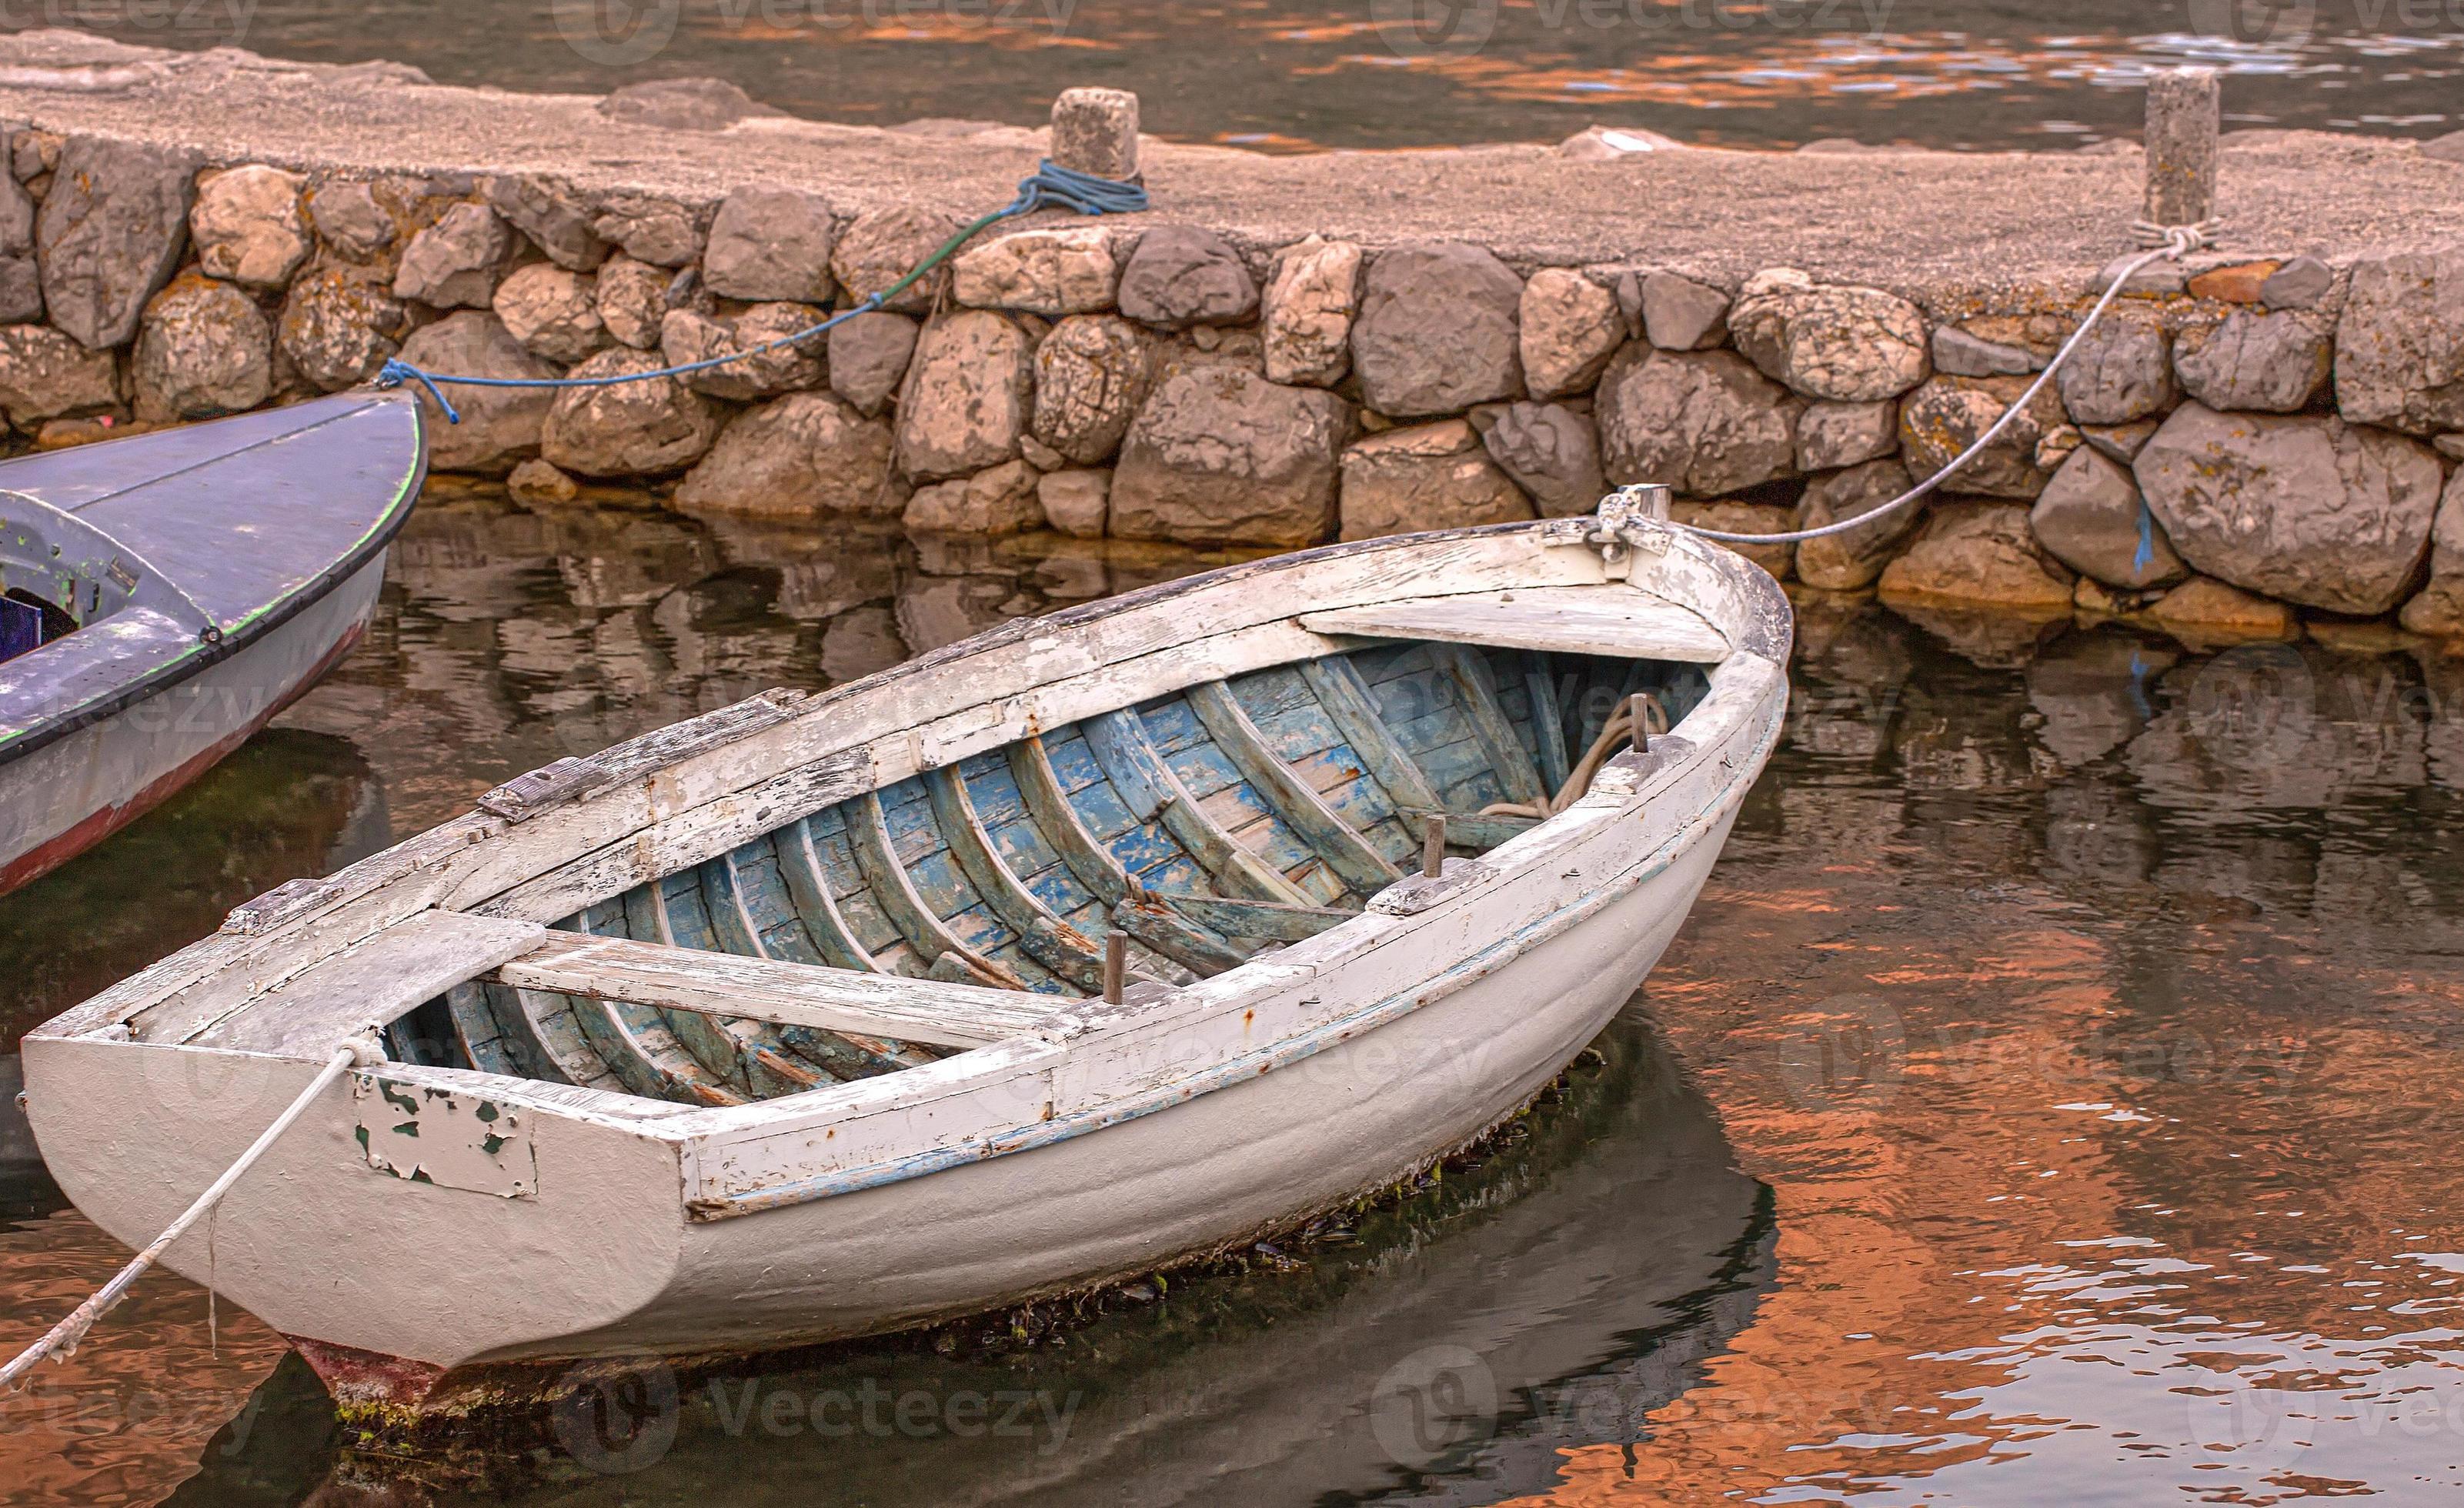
2051, 1101
1293, 75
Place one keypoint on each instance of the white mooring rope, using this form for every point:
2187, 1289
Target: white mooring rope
62, 1340
2180, 241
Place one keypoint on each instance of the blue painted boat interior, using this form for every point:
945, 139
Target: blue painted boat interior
1210, 825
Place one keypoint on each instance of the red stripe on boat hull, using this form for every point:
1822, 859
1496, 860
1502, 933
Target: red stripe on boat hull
53, 852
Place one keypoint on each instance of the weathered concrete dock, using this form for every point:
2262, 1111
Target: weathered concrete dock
1285, 348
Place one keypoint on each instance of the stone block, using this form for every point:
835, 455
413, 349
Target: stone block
1824, 340
2092, 520
2266, 362
999, 500
1430, 476
1050, 273
1437, 331
456, 262
2122, 370
1704, 422
552, 216
1571, 326
1550, 450
247, 227
1308, 308
968, 397
1218, 454
1854, 557
499, 425
340, 325
2310, 510
1076, 502
1092, 373
644, 428
801, 455
1831, 436
1682, 314
771, 243
110, 233
1979, 554
1180, 276
2399, 344
868, 352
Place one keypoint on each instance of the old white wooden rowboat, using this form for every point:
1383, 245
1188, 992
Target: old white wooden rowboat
193, 582
782, 1025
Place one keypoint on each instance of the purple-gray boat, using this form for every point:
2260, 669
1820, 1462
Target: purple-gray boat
165, 595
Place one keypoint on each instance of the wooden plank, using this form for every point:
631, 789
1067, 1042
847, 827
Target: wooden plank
635, 1042
868, 831
1612, 619
1048, 807
1353, 711
780, 930
788, 995
558, 1052
1469, 675
370, 984
1294, 799
808, 887
771, 1065
1350, 706
1261, 920
718, 1050
1139, 774
1548, 724
1046, 939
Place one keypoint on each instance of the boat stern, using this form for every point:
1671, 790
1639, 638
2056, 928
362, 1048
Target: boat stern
411, 1221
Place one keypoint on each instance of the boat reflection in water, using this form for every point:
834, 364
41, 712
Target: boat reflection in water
1999, 877
1550, 1292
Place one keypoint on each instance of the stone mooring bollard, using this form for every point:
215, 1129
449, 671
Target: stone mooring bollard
2184, 117
1096, 131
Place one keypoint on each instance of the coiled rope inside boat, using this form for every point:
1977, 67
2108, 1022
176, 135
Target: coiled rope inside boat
1641, 709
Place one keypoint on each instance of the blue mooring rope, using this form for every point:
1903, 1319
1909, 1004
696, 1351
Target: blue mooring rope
1050, 186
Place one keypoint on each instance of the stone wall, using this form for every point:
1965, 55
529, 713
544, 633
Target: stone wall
2251, 437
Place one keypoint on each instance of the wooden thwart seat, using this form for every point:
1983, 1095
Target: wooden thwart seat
1610, 620
784, 994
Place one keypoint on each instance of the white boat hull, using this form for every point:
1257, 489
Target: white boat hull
1109, 1142
60, 800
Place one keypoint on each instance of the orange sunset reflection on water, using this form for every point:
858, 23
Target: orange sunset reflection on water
1310, 75
2107, 1140
2049, 1100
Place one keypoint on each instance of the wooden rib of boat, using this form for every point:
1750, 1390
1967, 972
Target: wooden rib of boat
190, 583
780, 1025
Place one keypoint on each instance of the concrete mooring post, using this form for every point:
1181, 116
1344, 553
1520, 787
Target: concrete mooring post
2184, 114
1096, 131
